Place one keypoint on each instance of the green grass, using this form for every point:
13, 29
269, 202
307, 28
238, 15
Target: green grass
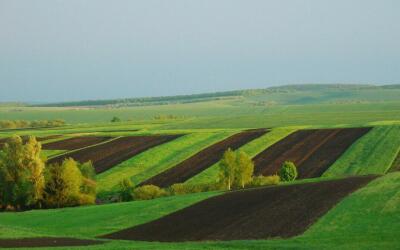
252, 149
374, 153
366, 219
158, 159
49, 153
91, 221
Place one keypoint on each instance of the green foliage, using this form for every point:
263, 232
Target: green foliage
236, 169
186, 188
21, 173
115, 119
148, 192
288, 171
67, 186
126, 187
244, 169
264, 180
227, 167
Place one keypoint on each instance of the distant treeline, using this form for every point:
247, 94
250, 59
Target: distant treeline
163, 100
15, 124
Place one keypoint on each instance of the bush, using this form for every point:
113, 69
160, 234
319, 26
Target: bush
148, 192
184, 188
288, 171
126, 188
115, 119
265, 180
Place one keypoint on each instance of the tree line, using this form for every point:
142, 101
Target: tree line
27, 182
12, 124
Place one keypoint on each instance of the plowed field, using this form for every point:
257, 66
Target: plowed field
203, 159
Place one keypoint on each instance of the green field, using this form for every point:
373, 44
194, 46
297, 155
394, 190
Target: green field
372, 154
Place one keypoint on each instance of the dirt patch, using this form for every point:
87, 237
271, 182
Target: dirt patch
46, 242
261, 213
75, 143
313, 151
203, 159
109, 154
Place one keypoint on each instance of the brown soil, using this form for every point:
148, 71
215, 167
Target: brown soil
260, 213
203, 159
312, 151
46, 242
75, 143
109, 154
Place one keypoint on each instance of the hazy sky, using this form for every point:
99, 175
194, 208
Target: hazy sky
88, 49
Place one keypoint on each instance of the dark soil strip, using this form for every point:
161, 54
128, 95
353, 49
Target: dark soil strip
329, 152
109, 154
203, 159
396, 164
75, 143
261, 213
312, 151
46, 242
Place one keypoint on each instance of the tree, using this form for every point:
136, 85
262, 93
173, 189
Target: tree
115, 119
288, 171
227, 167
21, 173
88, 186
243, 170
63, 184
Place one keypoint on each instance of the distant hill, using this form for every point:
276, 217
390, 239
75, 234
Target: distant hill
287, 94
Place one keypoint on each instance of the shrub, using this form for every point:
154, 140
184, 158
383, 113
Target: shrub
184, 188
148, 192
288, 171
67, 186
126, 188
265, 180
115, 119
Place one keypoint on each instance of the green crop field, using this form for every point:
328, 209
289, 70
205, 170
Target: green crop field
372, 154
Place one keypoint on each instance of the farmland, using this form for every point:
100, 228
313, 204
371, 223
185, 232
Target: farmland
344, 142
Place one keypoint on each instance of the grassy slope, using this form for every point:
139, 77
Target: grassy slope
367, 219
92, 221
158, 159
374, 153
252, 148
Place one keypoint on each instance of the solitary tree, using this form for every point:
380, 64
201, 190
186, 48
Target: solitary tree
21, 173
288, 171
227, 168
243, 170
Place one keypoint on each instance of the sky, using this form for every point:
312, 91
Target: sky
52, 50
